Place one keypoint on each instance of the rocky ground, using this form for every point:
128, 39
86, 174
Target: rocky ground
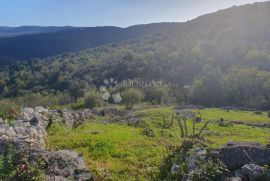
244, 160
27, 134
235, 161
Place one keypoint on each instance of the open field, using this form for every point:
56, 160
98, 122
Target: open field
119, 152
235, 115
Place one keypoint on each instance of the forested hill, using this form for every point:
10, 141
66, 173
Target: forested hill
218, 59
26, 30
44, 44
37, 42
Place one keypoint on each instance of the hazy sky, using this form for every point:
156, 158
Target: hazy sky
106, 12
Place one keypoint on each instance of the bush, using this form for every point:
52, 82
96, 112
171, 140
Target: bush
148, 132
102, 149
157, 95
92, 100
14, 166
131, 97
8, 110
208, 170
79, 104
44, 99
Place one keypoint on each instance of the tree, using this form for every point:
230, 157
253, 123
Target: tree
77, 89
92, 100
131, 97
157, 95
206, 89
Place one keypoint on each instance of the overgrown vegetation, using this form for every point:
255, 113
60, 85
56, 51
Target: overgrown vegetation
131, 97
120, 152
14, 166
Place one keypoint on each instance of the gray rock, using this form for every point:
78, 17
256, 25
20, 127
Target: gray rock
235, 156
28, 135
55, 178
27, 113
3, 122
68, 117
10, 132
20, 123
195, 154
239, 173
233, 179
64, 163
175, 169
2, 131
32, 133
83, 176
20, 131
230, 143
41, 110
254, 172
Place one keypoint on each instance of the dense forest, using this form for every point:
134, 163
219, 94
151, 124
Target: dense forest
56, 40
215, 60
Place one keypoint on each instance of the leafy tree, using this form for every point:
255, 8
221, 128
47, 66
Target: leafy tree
131, 97
92, 100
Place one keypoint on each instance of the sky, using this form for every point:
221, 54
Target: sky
120, 13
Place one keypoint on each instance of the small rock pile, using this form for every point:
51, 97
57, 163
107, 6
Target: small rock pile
28, 132
245, 160
235, 161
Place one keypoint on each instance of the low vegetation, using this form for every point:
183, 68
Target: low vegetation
118, 152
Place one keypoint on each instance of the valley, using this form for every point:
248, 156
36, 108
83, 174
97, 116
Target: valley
187, 101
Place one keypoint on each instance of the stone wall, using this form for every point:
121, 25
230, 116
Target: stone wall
28, 132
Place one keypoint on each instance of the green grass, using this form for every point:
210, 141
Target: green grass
121, 152
232, 115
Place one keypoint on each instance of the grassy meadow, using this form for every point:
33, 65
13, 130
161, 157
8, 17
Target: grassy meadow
115, 151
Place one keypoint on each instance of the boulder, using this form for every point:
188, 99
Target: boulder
236, 155
253, 172
63, 164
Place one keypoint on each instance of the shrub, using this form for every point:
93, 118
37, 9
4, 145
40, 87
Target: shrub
157, 95
131, 97
44, 99
92, 100
148, 132
14, 166
102, 149
8, 110
79, 104
208, 170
